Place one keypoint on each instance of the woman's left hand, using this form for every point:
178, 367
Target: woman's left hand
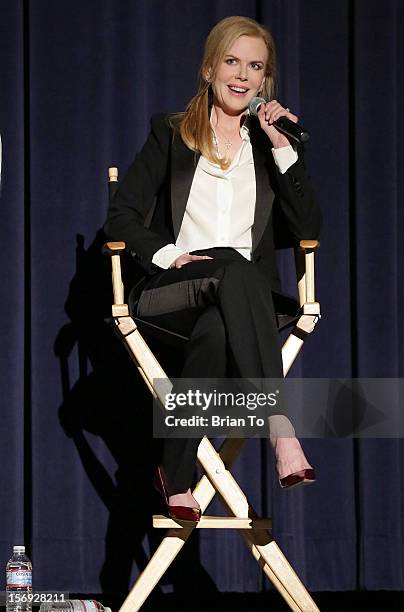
270, 112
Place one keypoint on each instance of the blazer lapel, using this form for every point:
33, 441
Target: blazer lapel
183, 166
264, 192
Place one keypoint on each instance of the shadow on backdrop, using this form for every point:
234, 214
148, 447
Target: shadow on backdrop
110, 400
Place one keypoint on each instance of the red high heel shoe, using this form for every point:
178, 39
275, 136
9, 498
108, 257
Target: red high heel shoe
181, 513
302, 477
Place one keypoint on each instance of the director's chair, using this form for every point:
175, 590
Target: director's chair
217, 477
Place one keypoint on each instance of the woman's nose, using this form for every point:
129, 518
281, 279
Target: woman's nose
242, 73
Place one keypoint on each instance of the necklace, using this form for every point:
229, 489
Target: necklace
227, 143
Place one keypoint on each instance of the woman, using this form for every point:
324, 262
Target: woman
202, 207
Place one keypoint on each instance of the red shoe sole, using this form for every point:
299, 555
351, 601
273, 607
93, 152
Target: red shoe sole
302, 477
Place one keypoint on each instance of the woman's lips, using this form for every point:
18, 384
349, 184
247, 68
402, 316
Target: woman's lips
237, 91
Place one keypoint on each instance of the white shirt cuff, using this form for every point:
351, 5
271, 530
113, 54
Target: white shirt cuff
164, 257
284, 157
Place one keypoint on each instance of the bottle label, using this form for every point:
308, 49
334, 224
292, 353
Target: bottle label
89, 605
19, 578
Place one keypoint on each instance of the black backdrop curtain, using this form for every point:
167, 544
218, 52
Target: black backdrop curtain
78, 83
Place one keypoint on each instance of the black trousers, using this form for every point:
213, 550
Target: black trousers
225, 306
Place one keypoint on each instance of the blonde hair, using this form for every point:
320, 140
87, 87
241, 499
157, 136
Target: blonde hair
194, 124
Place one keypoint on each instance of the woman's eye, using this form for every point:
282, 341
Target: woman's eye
230, 60
256, 66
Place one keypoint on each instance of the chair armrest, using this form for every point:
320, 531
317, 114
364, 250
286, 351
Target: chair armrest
115, 250
304, 257
309, 244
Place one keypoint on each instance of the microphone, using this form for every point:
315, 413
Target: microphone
283, 124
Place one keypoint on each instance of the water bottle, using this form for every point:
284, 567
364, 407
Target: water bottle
19, 582
74, 605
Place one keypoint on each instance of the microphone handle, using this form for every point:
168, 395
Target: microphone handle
291, 129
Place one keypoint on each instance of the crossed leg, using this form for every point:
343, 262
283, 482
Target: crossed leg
225, 306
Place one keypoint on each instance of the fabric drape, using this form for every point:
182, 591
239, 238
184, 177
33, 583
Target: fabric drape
78, 84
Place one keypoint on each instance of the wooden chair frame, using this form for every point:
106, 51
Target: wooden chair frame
255, 531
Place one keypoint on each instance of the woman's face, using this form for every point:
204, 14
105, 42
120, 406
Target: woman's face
241, 74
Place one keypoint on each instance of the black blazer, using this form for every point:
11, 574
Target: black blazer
149, 206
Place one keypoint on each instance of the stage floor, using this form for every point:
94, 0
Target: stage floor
369, 601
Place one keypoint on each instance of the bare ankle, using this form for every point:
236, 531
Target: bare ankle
290, 457
280, 427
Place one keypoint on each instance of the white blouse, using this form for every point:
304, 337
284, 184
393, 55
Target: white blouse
221, 204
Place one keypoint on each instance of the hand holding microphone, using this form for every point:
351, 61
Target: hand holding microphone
278, 122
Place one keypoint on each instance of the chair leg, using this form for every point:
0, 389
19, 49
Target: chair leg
165, 554
175, 539
173, 542
279, 571
261, 544
263, 548
218, 478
